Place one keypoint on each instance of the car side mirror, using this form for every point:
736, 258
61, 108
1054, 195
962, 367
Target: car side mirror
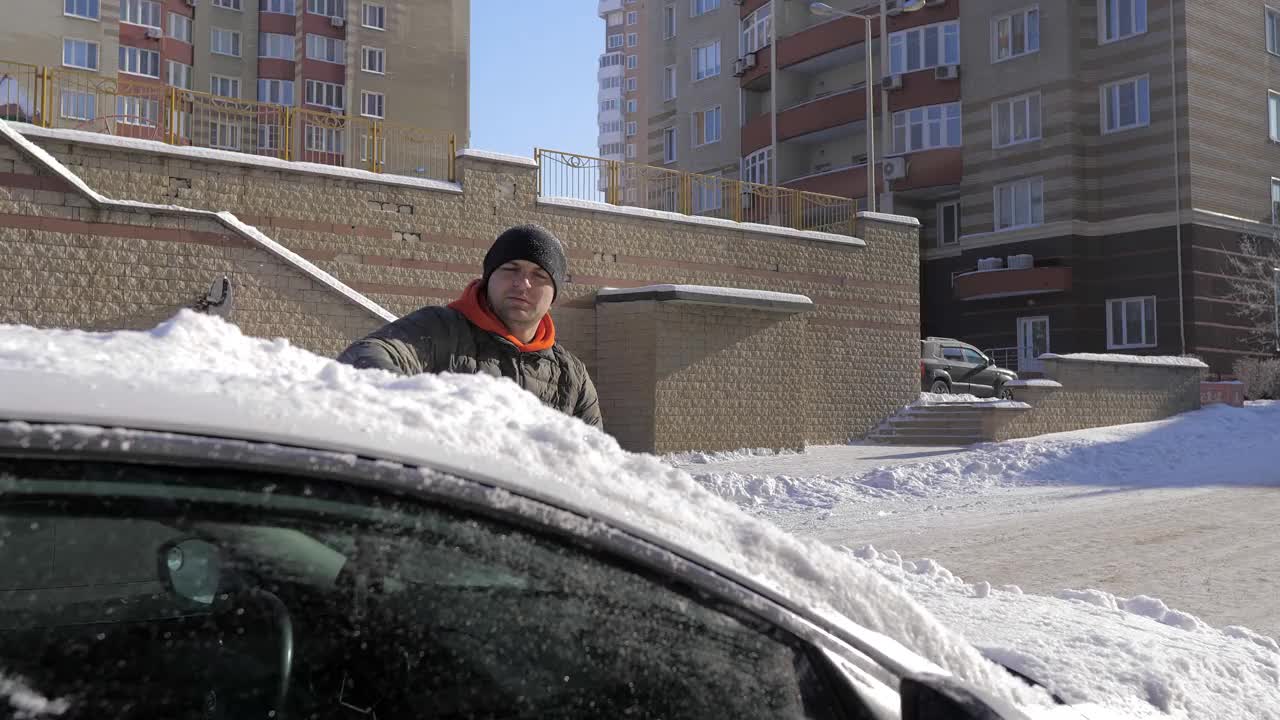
940, 697
191, 569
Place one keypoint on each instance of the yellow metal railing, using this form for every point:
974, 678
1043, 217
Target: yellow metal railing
56, 97
583, 177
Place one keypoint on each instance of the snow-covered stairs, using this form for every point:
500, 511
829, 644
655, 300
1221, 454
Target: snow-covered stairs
945, 424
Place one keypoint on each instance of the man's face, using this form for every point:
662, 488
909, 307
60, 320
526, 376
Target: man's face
520, 293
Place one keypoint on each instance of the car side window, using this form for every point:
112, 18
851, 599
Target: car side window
973, 356
953, 353
204, 592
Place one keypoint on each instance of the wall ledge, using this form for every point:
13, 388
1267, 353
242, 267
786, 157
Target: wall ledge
708, 295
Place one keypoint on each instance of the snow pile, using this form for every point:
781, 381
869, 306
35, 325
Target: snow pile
707, 458
27, 703
199, 374
1165, 360
1034, 382
1145, 658
927, 398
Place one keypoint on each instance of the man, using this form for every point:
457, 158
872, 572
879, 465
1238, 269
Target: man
500, 326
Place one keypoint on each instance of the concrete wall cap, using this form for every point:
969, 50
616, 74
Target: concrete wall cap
887, 218
489, 156
1120, 359
706, 294
1034, 382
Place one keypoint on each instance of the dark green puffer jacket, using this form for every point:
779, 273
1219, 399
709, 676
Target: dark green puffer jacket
440, 339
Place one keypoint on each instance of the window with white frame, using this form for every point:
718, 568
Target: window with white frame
632, 84
1016, 34
224, 135
277, 46
706, 61
179, 27
633, 39
668, 22
669, 145
79, 105
1126, 105
223, 86
702, 7
81, 54
614, 19
227, 4
631, 151
706, 126
611, 149
608, 105
632, 128
374, 16
926, 128
147, 13
924, 47
708, 193
1273, 115
1120, 19
633, 17
610, 82
669, 83
948, 224
326, 49
369, 143
323, 139
329, 8
1131, 323
1015, 120
373, 60
224, 42
758, 167
610, 126
1273, 31
86, 9
178, 74
757, 30
136, 61
373, 104
610, 60
1019, 204
633, 106
276, 92
270, 137
279, 7
614, 42
1275, 201
325, 94
633, 62
137, 111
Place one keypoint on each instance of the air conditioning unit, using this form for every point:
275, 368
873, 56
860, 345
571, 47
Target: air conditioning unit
749, 60
1021, 262
895, 168
739, 68
947, 72
892, 82
337, 21
990, 263
154, 33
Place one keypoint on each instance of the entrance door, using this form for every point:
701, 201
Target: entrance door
1033, 341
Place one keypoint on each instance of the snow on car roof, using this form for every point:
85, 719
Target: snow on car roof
198, 374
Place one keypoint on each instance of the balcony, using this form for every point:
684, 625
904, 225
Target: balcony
847, 181
757, 133
922, 87
823, 113
758, 77
931, 168
1011, 282
607, 6
818, 40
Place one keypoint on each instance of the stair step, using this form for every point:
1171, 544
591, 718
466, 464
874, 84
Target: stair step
966, 423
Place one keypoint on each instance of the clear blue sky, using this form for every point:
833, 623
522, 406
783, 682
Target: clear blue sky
533, 75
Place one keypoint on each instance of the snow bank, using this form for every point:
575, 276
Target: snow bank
27, 703
707, 458
1034, 382
196, 373
927, 398
1165, 360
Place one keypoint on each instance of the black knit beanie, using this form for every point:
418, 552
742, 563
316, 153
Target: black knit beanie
528, 242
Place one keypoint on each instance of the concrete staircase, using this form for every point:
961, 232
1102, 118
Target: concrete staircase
945, 424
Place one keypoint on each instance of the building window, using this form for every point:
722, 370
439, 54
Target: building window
1273, 31
224, 135
269, 137
707, 193
225, 42
1017, 34
608, 105
1019, 204
1125, 105
1131, 323
631, 151
228, 4
633, 39
180, 27
87, 9
1273, 114
948, 223
668, 22
280, 7
702, 7
632, 129
924, 47
276, 92
179, 74
706, 126
141, 12
610, 126
757, 29
136, 61
610, 82
669, 145
81, 54
325, 94
79, 105
632, 84
611, 149
329, 8
373, 104
926, 128
706, 61
758, 167
326, 49
374, 16
137, 111
669, 83
615, 42
614, 19
224, 86
374, 60
633, 18
632, 106
1119, 19
276, 45
633, 62
610, 60
1275, 201
1016, 120
323, 140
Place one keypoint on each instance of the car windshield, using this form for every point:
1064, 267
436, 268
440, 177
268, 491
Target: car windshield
159, 593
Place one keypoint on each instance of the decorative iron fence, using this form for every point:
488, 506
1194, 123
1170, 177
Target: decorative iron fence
1005, 357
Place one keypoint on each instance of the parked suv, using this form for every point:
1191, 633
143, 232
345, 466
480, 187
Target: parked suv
950, 366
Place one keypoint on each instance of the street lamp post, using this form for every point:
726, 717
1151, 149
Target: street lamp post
824, 10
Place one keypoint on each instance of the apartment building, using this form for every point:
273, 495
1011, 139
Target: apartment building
625, 70
399, 61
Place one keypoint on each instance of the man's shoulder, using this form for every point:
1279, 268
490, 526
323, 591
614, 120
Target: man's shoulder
566, 357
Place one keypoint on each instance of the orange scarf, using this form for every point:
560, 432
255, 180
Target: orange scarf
475, 307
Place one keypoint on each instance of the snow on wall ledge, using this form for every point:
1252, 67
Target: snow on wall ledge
1119, 359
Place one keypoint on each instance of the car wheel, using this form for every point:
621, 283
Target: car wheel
940, 387
1004, 392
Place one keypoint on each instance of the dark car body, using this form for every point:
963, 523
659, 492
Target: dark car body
951, 366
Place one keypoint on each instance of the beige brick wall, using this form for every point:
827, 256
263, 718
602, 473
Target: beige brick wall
406, 247
626, 370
